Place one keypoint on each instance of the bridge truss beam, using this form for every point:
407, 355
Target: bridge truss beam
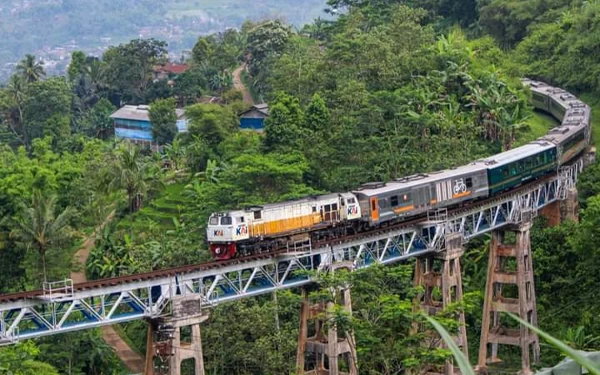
150, 297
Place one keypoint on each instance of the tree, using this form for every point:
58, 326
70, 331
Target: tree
14, 107
129, 67
210, 122
202, 50
317, 114
39, 226
30, 70
98, 121
130, 172
21, 359
77, 65
284, 125
47, 109
164, 120
266, 41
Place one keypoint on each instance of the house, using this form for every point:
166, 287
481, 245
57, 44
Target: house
133, 123
161, 72
254, 118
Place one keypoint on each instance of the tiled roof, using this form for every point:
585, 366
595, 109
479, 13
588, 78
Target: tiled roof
171, 68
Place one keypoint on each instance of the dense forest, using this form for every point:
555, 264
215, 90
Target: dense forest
385, 89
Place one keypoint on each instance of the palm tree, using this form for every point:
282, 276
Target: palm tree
39, 227
130, 172
16, 89
175, 153
30, 70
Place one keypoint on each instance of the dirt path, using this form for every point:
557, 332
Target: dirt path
130, 359
239, 85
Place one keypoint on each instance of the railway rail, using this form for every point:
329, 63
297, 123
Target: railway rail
63, 308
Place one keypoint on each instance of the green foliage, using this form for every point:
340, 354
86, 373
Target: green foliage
30, 70
212, 123
39, 226
77, 65
47, 109
164, 121
97, 121
129, 67
21, 360
553, 49
284, 125
131, 173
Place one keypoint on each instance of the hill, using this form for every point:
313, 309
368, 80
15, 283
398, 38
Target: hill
52, 29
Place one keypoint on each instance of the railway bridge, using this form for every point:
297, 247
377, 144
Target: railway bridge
174, 298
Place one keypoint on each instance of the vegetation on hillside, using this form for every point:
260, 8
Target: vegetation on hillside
387, 89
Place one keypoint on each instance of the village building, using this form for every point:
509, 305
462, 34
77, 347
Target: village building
133, 123
254, 118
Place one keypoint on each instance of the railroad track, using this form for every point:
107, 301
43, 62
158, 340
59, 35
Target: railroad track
119, 280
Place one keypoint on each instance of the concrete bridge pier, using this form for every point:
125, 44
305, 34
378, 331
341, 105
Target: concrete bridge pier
561, 210
509, 288
326, 344
166, 349
441, 271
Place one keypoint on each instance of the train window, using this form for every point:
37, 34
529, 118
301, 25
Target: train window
469, 182
257, 215
327, 208
314, 209
394, 200
373, 205
334, 207
513, 170
505, 172
226, 220
214, 220
240, 219
351, 201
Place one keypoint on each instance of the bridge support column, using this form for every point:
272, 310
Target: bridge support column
166, 349
569, 208
325, 345
448, 279
501, 277
559, 211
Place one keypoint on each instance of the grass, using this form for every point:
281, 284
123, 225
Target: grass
161, 210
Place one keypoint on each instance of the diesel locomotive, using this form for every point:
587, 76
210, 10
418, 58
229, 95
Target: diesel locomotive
271, 226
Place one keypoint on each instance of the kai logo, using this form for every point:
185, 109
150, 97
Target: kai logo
218, 233
241, 230
352, 210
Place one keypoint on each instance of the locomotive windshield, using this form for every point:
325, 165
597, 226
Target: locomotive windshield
213, 221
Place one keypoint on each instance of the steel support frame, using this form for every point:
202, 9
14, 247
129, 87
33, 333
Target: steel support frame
29, 318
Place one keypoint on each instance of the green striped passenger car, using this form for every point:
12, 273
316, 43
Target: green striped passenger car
520, 165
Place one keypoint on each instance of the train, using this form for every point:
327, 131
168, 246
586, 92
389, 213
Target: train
267, 227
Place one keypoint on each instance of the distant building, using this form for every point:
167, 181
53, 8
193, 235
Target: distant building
254, 118
133, 123
161, 72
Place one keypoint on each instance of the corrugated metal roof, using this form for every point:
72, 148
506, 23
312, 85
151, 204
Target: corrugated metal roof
517, 153
419, 179
139, 113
